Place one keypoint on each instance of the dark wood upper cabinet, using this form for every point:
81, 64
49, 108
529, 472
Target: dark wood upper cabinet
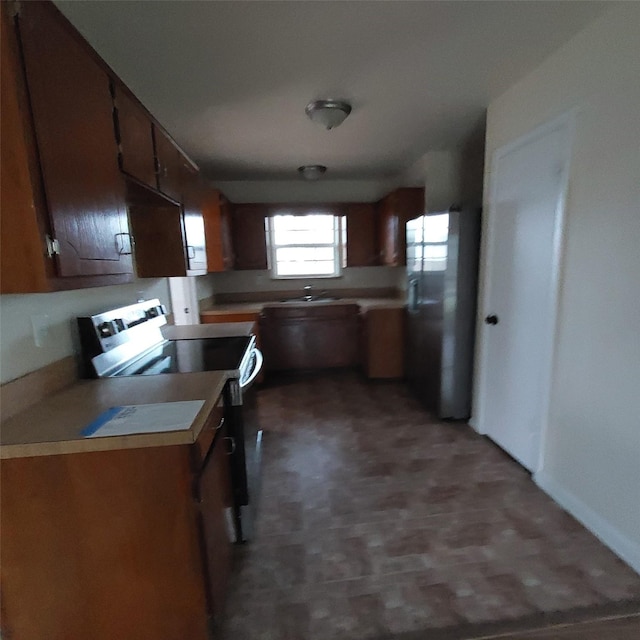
157, 226
249, 238
73, 118
170, 166
216, 211
226, 232
362, 244
135, 138
24, 267
394, 211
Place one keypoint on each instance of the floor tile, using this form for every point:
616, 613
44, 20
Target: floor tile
376, 519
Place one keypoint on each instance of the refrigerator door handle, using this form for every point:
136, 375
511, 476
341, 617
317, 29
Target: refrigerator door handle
412, 301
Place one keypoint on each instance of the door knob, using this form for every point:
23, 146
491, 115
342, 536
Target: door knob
491, 319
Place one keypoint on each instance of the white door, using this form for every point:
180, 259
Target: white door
184, 300
528, 184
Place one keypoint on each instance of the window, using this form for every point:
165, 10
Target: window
310, 245
427, 247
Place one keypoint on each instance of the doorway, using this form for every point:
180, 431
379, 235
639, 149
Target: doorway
525, 221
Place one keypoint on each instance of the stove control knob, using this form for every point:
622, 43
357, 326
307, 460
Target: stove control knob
154, 312
107, 329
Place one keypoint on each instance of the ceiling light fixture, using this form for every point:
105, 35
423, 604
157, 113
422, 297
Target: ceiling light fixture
329, 113
312, 171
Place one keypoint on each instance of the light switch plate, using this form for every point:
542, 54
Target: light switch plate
40, 324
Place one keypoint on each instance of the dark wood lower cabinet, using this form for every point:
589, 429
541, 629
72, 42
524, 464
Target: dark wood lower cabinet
383, 342
216, 518
312, 337
128, 543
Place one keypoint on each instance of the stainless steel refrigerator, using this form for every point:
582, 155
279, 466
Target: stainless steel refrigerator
442, 273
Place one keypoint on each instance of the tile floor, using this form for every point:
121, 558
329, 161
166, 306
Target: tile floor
377, 520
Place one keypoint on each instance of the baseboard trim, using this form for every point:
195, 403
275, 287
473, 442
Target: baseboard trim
621, 545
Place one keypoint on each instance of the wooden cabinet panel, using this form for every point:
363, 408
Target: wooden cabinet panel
135, 138
157, 226
170, 166
23, 265
158, 235
249, 239
226, 231
102, 545
321, 337
216, 212
362, 244
216, 512
73, 117
394, 211
383, 343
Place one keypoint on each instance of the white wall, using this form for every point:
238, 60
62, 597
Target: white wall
321, 190
592, 451
439, 173
18, 352
450, 176
352, 278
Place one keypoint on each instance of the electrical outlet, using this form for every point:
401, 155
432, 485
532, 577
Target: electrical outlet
40, 325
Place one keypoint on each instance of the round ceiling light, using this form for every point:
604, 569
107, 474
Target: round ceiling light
312, 171
328, 113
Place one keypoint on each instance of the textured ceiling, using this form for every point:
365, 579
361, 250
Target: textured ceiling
230, 79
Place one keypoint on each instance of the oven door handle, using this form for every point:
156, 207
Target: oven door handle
256, 369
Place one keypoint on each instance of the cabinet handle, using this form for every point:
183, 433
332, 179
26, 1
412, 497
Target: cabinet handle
121, 244
233, 445
220, 425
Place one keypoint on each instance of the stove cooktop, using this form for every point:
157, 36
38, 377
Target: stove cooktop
187, 356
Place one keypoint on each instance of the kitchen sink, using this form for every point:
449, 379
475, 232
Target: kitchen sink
310, 299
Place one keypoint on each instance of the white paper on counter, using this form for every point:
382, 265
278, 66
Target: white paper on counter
144, 418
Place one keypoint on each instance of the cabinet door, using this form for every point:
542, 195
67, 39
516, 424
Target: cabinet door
362, 243
217, 226
319, 337
194, 231
170, 167
228, 257
249, 239
24, 267
157, 226
383, 343
216, 507
73, 117
135, 137
395, 210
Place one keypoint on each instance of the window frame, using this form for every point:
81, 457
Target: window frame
338, 245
